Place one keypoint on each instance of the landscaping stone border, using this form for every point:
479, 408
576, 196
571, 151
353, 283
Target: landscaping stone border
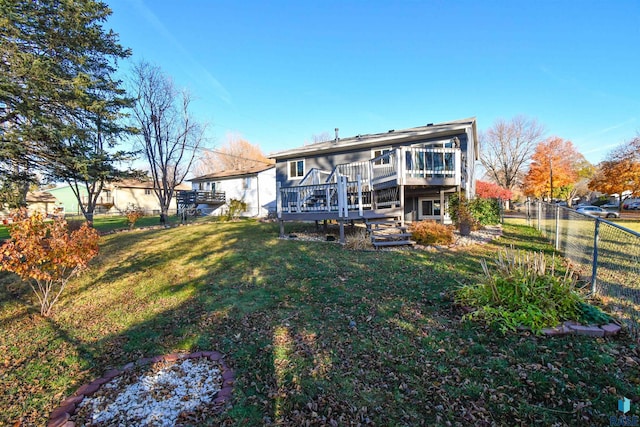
60, 417
568, 328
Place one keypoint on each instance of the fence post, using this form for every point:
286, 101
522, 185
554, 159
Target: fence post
594, 266
557, 240
538, 212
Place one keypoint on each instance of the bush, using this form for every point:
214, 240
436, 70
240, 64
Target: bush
358, 240
236, 207
431, 233
474, 213
522, 292
133, 213
44, 254
485, 211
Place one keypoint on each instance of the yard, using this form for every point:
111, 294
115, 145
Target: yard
316, 334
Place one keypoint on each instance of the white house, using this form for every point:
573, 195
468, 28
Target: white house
255, 186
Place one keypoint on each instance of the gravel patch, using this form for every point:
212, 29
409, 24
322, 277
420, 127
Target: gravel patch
155, 398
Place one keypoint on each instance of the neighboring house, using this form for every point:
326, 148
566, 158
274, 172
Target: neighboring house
404, 174
115, 197
44, 202
212, 193
65, 197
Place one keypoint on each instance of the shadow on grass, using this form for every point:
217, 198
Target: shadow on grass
314, 332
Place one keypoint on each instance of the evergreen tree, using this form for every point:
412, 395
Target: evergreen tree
59, 105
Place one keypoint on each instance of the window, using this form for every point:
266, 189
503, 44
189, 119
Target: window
246, 183
429, 208
296, 169
379, 152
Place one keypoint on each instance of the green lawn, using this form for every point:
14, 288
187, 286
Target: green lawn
281, 310
107, 223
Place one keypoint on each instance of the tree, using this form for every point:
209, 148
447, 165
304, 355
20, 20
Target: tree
489, 190
168, 134
55, 74
44, 254
620, 172
507, 147
554, 166
237, 154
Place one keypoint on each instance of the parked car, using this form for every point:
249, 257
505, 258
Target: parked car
610, 206
632, 206
597, 211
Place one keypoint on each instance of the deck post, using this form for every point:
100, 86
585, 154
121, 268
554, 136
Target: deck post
281, 228
342, 241
278, 200
360, 209
401, 205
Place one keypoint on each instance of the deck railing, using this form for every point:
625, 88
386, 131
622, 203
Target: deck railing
385, 169
432, 162
200, 197
341, 197
315, 176
352, 171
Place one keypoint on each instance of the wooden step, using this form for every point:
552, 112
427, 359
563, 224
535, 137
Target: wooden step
390, 236
392, 243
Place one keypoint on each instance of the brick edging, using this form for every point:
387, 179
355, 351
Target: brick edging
60, 417
568, 328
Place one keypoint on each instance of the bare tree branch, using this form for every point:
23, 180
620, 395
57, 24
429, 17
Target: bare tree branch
169, 135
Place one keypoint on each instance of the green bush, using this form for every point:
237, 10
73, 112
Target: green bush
522, 291
485, 211
431, 233
477, 212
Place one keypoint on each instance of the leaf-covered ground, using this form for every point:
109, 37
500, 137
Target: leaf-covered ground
317, 335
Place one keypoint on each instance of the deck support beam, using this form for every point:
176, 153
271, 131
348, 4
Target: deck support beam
281, 228
342, 241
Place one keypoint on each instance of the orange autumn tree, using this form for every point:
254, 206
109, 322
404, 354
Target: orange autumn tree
553, 167
620, 172
45, 255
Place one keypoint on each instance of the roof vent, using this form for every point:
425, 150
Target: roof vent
391, 130
337, 137
429, 124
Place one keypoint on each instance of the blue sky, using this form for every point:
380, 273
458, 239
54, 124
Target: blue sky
279, 72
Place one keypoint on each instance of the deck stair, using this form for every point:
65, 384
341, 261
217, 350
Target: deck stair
388, 232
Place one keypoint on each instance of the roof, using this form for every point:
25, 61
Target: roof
232, 173
136, 183
389, 137
40, 197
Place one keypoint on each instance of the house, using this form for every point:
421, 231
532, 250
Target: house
407, 175
43, 202
115, 198
255, 186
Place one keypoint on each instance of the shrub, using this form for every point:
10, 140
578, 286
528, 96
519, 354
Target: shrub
358, 240
44, 254
522, 291
431, 233
236, 207
485, 211
461, 214
473, 213
133, 213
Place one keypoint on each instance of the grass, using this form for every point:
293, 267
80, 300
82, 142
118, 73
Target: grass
108, 223
314, 333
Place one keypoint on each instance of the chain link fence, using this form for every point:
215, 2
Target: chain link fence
603, 253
